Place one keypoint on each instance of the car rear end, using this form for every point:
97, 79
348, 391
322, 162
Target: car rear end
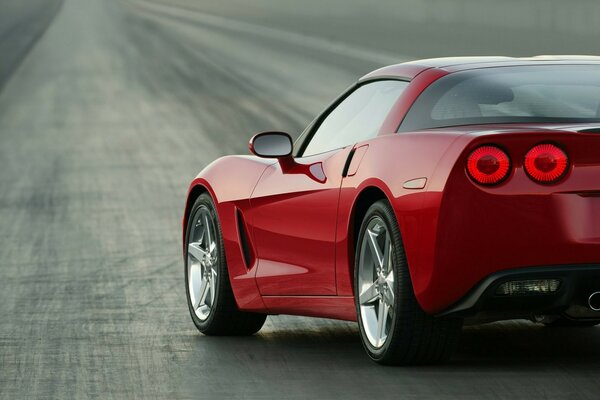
518, 229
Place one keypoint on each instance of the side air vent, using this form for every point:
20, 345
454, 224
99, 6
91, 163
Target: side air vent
244, 240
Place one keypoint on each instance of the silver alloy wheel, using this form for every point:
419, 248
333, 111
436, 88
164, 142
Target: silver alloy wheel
376, 282
202, 262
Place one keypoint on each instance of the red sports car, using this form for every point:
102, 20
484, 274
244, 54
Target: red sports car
428, 193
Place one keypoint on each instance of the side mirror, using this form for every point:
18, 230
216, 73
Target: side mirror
271, 144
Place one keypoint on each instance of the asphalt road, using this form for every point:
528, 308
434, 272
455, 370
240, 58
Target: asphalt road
108, 108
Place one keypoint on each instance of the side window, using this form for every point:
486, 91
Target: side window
358, 117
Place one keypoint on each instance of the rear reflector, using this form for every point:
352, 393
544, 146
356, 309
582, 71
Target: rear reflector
534, 286
546, 163
488, 165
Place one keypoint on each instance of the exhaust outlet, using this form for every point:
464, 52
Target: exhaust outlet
594, 301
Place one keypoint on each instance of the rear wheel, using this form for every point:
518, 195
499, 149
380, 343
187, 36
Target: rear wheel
209, 295
393, 327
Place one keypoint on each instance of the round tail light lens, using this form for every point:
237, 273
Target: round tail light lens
488, 165
546, 163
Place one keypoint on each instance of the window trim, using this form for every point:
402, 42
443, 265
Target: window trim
308, 133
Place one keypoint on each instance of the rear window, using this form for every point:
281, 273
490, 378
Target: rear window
559, 93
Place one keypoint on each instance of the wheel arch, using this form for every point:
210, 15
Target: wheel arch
196, 190
372, 192
367, 197
229, 181
364, 200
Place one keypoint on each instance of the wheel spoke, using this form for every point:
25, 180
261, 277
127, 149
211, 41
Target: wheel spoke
201, 237
389, 293
388, 297
381, 321
374, 247
213, 285
368, 295
209, 242
203, 292
204, 309
196, 251
386, 263
194, 284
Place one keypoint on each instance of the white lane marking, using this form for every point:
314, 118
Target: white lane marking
294, 38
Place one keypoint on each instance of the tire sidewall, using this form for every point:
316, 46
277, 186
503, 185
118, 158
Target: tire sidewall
204, 200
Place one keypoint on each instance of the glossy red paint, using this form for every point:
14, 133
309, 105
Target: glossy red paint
390, 161
419, 83
294, 216
232, 195
531, 224
359, 153
301, 214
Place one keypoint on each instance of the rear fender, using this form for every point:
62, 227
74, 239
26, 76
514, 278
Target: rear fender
391, 161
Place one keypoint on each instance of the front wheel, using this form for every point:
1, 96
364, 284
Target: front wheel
209, 295
393, 327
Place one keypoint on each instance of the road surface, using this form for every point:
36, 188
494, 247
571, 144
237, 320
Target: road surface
108, 108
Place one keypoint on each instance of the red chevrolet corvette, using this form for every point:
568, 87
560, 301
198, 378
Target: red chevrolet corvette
428, 193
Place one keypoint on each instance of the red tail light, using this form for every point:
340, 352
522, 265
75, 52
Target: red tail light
488, 165
546, 163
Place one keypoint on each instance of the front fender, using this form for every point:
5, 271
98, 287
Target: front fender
230, 181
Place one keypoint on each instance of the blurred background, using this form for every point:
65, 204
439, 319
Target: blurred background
108, 109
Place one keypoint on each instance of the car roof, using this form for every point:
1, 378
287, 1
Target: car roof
409, 70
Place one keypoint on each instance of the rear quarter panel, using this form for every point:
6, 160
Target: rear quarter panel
389, 162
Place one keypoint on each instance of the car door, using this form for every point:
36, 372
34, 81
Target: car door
294, 205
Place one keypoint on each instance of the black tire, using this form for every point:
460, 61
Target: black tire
225, 318
414, 337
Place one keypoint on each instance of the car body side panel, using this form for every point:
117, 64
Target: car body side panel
337, 307
294, 219
230, 181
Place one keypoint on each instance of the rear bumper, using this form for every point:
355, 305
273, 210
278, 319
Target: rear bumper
482, 234
577, 282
